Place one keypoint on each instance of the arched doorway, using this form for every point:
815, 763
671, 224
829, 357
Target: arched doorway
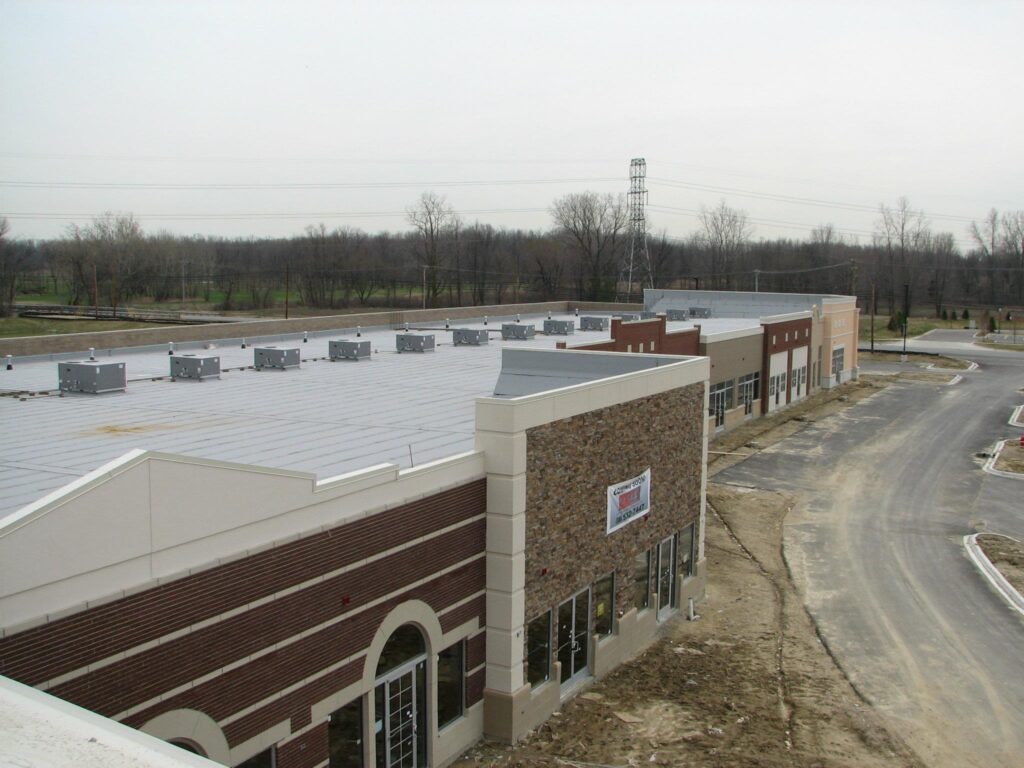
400, 700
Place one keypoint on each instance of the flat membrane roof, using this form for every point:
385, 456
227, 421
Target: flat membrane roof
325, 417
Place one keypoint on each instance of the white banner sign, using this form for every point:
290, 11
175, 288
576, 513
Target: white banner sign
629, 501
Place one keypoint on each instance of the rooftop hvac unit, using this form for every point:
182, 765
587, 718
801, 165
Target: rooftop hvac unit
470, 336
559, 327
92, 377
414, 342
347, 349
594, 323
700, 311
517, 332
272, 357
628, 316
678, 314
194, 367
648, 315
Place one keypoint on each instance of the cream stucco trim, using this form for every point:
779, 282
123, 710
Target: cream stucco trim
194, 726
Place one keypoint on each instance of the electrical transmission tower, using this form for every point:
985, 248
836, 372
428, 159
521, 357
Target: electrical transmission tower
637, 265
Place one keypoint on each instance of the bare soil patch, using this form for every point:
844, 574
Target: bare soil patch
748, 684
924, 376
894, 357
1011, 457
1007, 555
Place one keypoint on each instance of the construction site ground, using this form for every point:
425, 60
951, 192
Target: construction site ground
748, 684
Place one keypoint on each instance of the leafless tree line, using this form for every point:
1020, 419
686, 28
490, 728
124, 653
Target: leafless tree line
443, 260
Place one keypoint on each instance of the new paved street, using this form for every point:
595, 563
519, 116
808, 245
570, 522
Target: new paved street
886, 492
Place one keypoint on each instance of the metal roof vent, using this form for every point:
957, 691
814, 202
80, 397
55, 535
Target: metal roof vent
559, 327
414, 342
195, 367
700, 311
92, 377
627, 317
590, 323
346, 349
272, 357
678, 314
470, 336
517, 331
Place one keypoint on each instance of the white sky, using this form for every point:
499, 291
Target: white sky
855, 103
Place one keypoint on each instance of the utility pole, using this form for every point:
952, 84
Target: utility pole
638, 258
906, 319
873, 309
287, 288
183, 284
424, 286
757, 274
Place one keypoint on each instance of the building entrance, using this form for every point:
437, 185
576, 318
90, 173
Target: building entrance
400, 701
666, 577
574, 638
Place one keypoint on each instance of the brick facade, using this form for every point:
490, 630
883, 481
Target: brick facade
570, 464
651, 336
339, 584
784, 336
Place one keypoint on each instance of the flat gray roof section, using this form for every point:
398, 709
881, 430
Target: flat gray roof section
736, 304
529, 371
326, 418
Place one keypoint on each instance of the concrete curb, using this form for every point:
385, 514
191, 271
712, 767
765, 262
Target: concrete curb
955, 380
972, 367
992, 574
991, 464
1017, 417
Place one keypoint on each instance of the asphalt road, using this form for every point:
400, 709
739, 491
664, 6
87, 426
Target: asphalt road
886, 492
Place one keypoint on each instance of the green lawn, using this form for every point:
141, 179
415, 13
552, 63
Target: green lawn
38, 326
918, 325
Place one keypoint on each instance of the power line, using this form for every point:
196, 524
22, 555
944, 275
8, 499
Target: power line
857, 207
20, 184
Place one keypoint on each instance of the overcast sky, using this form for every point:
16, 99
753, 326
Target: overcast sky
850, 104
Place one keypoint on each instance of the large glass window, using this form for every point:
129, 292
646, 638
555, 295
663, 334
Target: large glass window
604, 605
406, 643
837, 363
749, 391
450, 684
268, 759
686, 550
538, 649
720, 400
642, 580
344, 737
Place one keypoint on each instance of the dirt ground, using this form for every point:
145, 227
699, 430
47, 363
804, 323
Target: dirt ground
1011, 457
1007, 555
749, 683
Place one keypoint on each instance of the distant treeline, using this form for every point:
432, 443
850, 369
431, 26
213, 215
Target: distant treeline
443, 260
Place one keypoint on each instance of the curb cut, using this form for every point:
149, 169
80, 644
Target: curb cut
991, 463
992, 574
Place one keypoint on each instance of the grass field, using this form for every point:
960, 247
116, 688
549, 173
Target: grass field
39, 326
918, 325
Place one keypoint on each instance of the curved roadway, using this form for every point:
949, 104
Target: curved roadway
886, 492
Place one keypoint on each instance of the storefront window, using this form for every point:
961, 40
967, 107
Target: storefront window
604, 605
344, 737
686, 542
268, 759
642, 580
450, 684
538, 649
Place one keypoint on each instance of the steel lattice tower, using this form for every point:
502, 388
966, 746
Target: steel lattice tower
637, 264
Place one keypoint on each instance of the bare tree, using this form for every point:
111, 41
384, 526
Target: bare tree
726, 234
435, 221
11, 261
942, 249
986, 237
592, 226
901, 232
1012, 242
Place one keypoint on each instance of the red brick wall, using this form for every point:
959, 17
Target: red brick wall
775, 340
629, 336
70, 644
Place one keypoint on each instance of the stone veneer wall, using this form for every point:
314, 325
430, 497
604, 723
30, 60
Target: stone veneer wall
571, 463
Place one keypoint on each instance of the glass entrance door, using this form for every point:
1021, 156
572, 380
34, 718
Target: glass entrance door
574, 637
401, 723
666, 577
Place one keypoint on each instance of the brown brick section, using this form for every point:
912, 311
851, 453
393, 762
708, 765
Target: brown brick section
136, 679
629, 336
476, 651
305, 751
570, 464
52, 649
474, 687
